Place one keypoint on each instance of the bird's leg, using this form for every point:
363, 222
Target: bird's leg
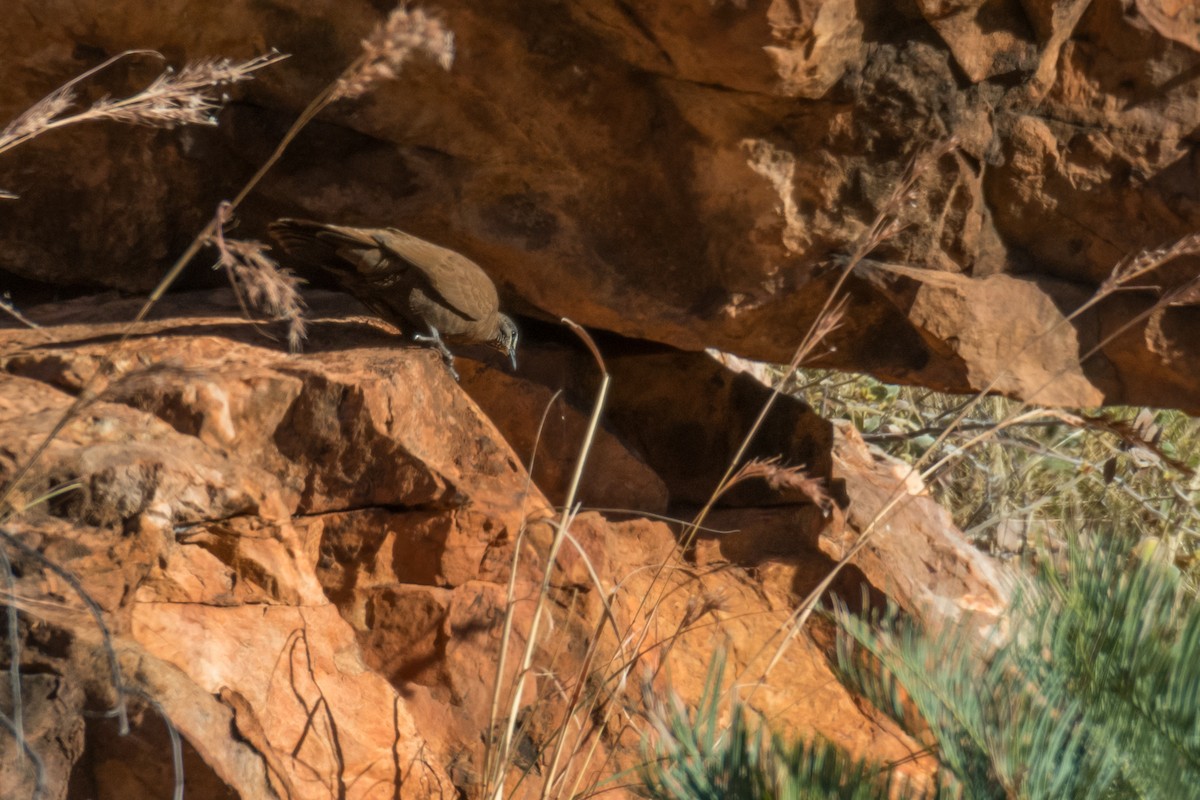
435, 338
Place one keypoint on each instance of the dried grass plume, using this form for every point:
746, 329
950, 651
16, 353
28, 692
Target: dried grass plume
259, 281
186, 97
404, 33
174, 98
782, 478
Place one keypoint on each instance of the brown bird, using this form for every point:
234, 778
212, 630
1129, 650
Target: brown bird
434, 295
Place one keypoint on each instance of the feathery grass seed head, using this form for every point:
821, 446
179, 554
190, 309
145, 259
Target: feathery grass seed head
390, 45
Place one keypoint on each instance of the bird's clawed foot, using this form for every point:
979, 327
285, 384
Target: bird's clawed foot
434, 338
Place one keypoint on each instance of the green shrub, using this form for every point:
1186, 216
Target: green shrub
1093, 692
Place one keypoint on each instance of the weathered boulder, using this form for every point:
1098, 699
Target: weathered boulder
303, 564
682, 171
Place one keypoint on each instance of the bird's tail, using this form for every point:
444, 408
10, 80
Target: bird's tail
315, 243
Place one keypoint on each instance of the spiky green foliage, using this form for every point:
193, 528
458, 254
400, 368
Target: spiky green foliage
697, 757
1092, 690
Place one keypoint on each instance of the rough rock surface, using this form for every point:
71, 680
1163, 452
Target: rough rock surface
303, 564
683, 171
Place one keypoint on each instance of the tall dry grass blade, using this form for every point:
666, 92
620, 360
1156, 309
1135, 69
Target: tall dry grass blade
164, 102
509, 606
12, 629
607, 617
560, 535
1146, 261
39, 767
886, 224
804, 610
181, 98
1128, 270
37, 117
6, 305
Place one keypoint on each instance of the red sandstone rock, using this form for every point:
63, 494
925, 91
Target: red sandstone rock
304, 561
680, 171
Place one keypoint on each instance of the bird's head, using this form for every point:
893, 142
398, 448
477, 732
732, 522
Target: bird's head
506, 339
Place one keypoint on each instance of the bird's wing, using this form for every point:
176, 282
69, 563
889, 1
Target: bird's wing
454, 279
373, 263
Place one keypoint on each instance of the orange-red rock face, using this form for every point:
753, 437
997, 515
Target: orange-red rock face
682, 171
305, 561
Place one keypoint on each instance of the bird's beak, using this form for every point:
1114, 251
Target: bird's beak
512, 356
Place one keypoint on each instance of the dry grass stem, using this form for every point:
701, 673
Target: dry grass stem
6, 305
259, 281
392, 43
1146, 261
39, 768
37, 118
889, 221
886, 224
1122, 275
784, 478
12, 633
510, 599
804, 610
179, 98
615, 673
186, 97
1125, 272
506, 743
1187, 294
